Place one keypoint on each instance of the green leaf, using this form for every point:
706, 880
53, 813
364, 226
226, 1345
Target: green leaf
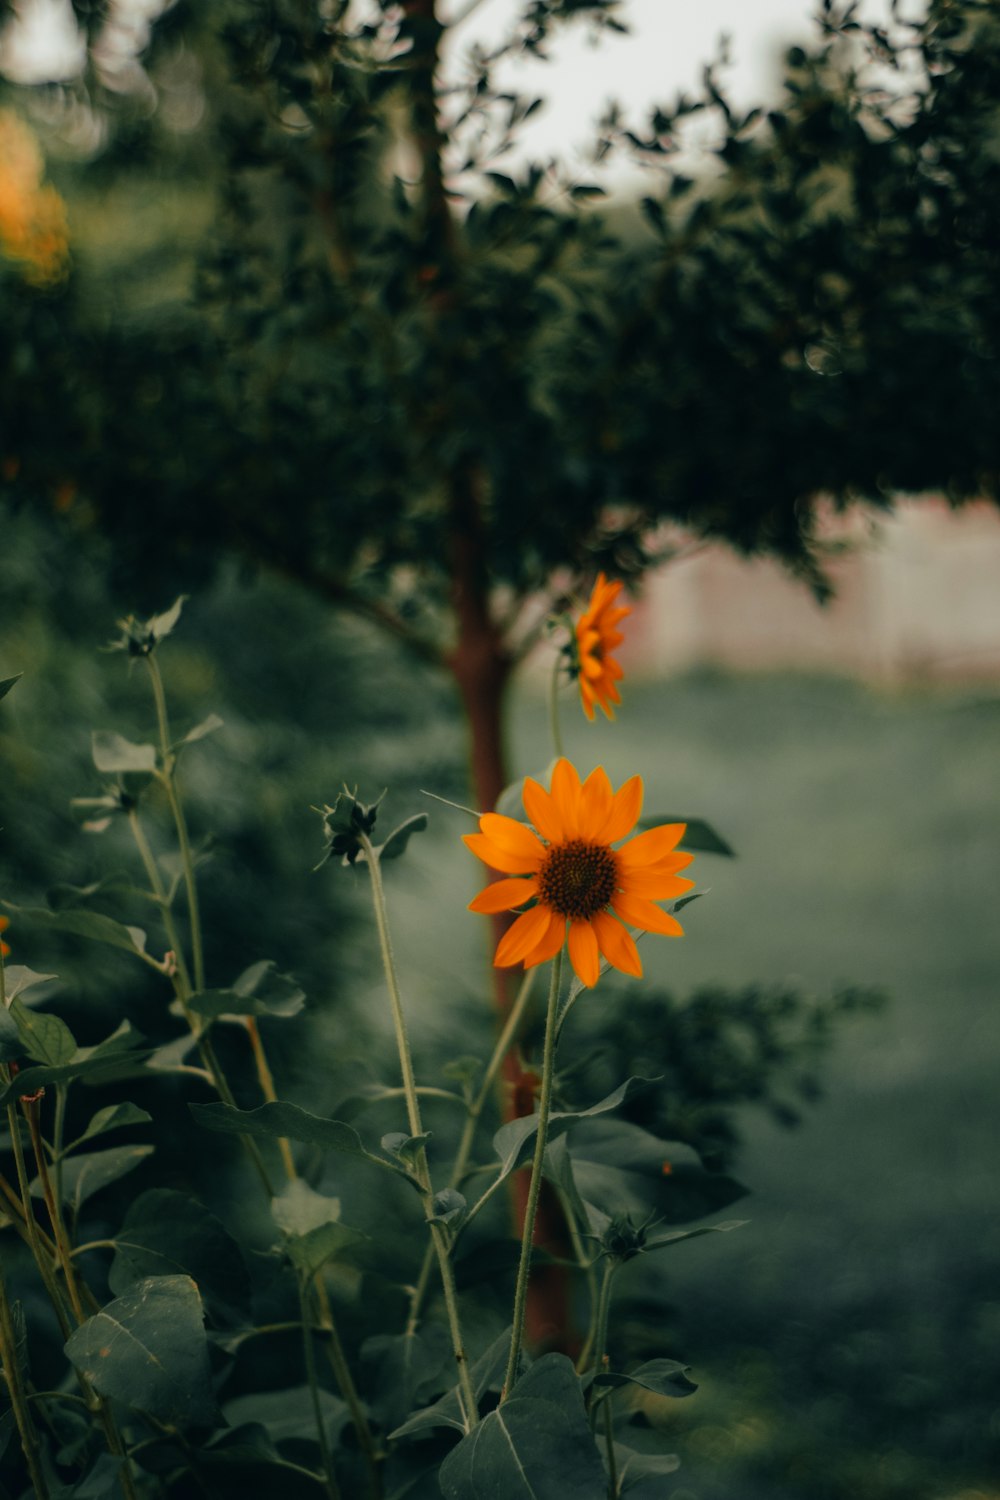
166, 1232
112, 752
449, 1207
148, 1350
64, 896
288, 1414
117, 1054
8, 682
160, 626
18, 978
406, 1147
620, 1168
514, 1142
11, 1046
259, 991
90, 1171
46, 1039
486, 1374
633, 1468
398, 839
272, 1121
536, 1446
666, 1377
698, 835
405, 1369
112, 1117
199, 732
87, 924
310, 1223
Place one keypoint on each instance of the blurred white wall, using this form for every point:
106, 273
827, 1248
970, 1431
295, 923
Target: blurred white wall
917, 599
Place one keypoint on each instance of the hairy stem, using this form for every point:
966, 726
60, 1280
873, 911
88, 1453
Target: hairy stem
439, 1235
329, 1478
18, 1399
535, 1187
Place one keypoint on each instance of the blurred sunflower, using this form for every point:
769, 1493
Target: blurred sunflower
596, 637
571, 873
4, 924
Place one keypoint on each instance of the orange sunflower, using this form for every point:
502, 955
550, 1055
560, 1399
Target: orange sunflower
596, 637
4, 924
570, 872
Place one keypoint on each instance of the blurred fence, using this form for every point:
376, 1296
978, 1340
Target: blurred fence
917, 599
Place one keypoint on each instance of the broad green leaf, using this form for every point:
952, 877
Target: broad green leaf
46, 1039
11, 1045
398, 839
620, 1168
699, 836
405, 1147
449, 1207
87, 924
259, 991
18, 979
148, 1350
405, 1369
486, 1374
102, 1482
272, 1121
113, 753
112, 1117
90, 1171
116, 1055
664, 1376
206, 727
160, 626
536, 1446
633, 1468
166, 1232
8, 682
288, 1414
515, 1141
310, 1223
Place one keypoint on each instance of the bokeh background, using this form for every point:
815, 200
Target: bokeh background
827, 1029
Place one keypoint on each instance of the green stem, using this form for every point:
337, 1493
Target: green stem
535, 1187
329, 1479
58, 1133
42, 1259
345, 1381
439, 1236
170, 786
15, 1390
601, 1334
503, 1044
609, 1439
157, 887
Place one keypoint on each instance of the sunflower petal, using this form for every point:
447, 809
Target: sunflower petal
566, 796
502, 895
584, 953
625, 809
515, 837
549, 943
648, 848
522, 937
496, 856
638, 912
541, 810
654, 887
596, 798
616, 944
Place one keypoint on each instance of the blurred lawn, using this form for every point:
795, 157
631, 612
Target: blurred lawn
846, 1339
847, 1336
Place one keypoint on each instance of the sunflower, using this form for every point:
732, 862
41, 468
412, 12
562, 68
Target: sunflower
570, 872
596, 638
4, 924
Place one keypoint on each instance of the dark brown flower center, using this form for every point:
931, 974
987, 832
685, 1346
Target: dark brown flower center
578, 879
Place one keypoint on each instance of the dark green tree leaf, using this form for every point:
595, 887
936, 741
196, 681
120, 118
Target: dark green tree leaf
88, 1172
514, 1142
166, 1233
148, 1350
272, 1121
310, 1224
45, 1038
404, 1369
536, 1446
486, 1374
259, 991
665, 1377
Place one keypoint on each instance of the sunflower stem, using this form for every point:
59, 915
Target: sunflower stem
439, 1235
600, 1339
535, 1187
504, 1043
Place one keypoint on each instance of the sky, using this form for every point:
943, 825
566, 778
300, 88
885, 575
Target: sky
671, 41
